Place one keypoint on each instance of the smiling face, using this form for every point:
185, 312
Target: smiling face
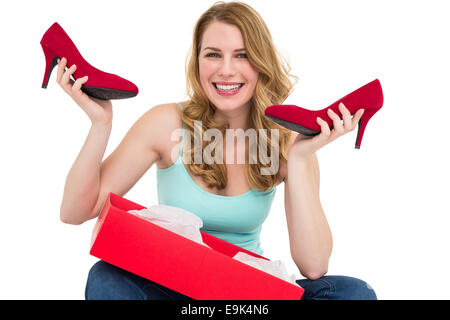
226, 75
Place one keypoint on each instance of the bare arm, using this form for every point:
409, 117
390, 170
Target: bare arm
82, 184
90, 180
310, 236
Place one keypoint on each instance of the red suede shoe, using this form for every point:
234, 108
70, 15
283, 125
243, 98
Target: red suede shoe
101, 85
369, 97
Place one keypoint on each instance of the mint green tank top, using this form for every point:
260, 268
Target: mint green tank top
236, 219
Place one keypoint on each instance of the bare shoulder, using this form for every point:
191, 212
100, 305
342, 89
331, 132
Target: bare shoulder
167, 114
164, 120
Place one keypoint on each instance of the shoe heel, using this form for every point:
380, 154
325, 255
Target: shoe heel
362, 126
51, 60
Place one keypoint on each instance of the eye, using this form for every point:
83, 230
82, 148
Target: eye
213, 54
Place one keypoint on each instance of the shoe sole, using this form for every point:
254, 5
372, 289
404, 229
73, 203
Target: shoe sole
294, 127
107, 94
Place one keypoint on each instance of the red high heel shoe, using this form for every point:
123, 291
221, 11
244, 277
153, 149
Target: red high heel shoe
369, 97
101, 85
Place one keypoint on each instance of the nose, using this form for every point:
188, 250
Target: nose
227, 68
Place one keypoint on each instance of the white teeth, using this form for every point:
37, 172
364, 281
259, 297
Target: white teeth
227, 88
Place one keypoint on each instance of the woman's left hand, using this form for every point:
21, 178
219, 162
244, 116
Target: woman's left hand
305, 145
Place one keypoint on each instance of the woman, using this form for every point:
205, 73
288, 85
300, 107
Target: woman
233, 74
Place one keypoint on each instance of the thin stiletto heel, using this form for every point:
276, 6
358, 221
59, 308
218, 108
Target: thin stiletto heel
51, 60
362, 126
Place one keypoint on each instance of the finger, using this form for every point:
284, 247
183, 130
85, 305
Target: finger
324, 127
356, 117
78, 83
338, 128
346, 117
60, 72
65, 80
325, 133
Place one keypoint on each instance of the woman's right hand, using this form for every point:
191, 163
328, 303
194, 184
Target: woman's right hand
98, 111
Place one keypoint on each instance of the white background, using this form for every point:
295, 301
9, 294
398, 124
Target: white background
387, 203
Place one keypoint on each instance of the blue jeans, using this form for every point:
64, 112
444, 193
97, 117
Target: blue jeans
108, 282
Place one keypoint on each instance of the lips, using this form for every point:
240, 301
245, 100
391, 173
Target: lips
228, 84
228, 92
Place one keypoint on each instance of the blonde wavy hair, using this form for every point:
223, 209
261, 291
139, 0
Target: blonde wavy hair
273, 87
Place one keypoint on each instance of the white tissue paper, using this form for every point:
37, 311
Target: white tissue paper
175, 219
275, 268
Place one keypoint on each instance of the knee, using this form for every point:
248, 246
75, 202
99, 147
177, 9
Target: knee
101, 272
106, 281
355, 289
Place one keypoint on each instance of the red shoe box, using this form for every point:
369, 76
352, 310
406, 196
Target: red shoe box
143, 248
